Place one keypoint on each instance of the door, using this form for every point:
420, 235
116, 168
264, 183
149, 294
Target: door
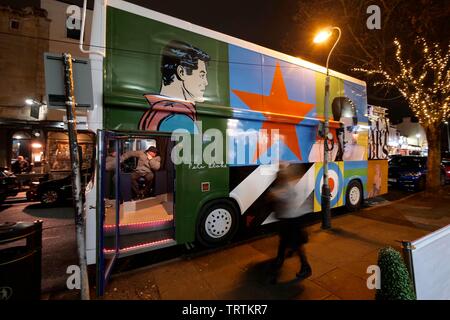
147, 219
135, 208
108, 206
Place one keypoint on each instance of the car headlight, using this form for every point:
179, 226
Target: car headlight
414, 174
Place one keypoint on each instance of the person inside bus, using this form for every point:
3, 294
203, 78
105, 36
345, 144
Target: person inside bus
111, 161
292, 233
148, 161
184, 81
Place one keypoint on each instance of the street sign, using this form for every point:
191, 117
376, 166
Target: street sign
35, 110
54, 81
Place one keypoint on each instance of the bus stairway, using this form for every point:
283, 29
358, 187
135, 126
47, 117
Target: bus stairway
134, 243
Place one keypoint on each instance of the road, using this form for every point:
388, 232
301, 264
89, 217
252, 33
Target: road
58, 237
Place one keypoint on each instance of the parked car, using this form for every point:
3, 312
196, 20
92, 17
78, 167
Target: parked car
408, 172
8, 184
54, 191
445, 171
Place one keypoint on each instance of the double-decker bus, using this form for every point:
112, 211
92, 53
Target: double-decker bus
221, 113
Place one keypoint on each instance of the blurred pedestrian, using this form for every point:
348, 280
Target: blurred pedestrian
292, 234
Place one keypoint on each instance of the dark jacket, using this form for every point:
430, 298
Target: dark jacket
144, 165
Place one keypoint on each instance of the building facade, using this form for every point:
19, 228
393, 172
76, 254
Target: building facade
28, 29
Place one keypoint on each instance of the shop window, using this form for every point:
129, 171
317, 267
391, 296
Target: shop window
21, 145
59, 152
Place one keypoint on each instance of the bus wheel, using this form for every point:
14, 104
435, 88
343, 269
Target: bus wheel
354, 196
218, 223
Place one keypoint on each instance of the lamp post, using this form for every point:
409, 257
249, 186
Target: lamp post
325, 201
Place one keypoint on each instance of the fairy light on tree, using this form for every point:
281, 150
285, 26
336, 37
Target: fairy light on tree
425, 85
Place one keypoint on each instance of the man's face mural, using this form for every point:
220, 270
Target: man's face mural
348, 118
184, 71
184, 80
194, 84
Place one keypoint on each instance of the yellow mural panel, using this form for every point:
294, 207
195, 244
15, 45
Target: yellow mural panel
377, 177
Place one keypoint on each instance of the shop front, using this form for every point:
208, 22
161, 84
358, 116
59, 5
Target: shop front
40, 151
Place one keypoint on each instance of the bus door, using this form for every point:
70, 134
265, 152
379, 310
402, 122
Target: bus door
107, 202
137, 211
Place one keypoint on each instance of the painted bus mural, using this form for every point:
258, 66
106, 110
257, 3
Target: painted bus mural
190, 93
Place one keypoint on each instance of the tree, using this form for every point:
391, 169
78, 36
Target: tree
360, 46
426, 87
420, 76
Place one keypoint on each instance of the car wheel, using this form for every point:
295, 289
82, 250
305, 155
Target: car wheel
354, 196
50, 197
218, 223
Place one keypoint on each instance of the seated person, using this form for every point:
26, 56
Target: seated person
21, 165
148, 161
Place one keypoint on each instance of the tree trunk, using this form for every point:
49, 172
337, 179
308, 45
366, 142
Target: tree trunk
434, 158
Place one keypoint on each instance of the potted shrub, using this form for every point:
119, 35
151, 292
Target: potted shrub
396, 283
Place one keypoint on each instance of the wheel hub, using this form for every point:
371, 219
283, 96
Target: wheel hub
49, 197
218, 223
354, 195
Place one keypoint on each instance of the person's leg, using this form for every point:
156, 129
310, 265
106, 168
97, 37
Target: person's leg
148, 183
281, 253
135, 184
305, 269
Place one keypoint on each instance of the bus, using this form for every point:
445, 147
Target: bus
221, 113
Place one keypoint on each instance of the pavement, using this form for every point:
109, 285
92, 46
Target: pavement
339, 258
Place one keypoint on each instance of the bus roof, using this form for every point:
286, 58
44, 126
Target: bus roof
148, 13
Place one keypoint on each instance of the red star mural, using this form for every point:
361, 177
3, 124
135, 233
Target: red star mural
277, 103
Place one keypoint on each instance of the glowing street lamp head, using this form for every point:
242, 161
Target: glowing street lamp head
29, 102
322, 36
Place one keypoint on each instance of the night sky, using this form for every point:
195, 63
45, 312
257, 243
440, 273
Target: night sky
263, 22
266, 23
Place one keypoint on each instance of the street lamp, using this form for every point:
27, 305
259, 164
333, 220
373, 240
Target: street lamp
322, 36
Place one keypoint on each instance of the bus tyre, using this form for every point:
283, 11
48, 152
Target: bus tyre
218, 223
354, 196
